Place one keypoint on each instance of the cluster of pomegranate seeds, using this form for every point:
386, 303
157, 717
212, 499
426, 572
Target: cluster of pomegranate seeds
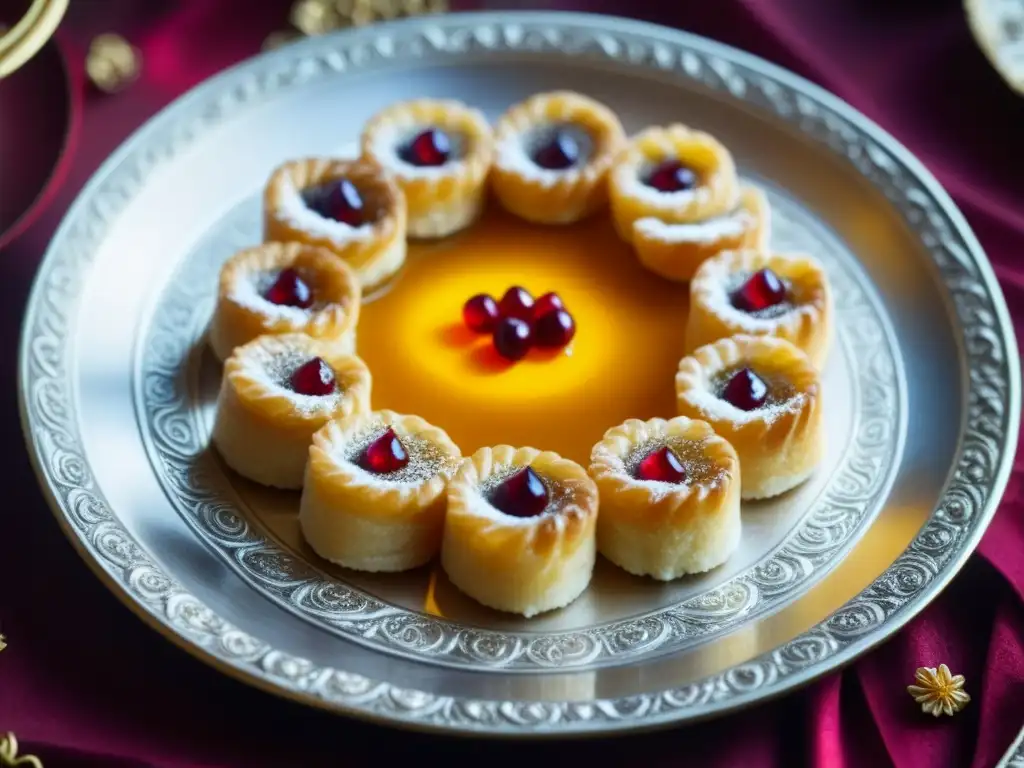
431, 147
339, 200
745, 390
672, 176
518, 322
290, 290
522, 494
559, 152
661, 465
313, 377
385, 454
762, 290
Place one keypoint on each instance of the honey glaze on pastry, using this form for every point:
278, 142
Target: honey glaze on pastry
675, 251
670, 497
760, 293
519, 535
278, 288
440, 153
552, 156
276, 392
763, 396
353, 208
375, 492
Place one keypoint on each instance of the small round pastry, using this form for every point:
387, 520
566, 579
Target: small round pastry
675, 251
519, 535
277, 288
763, 396
552, 157
275, 393
670, 497
440, 152
674, 174
353, 208
762, 294
375, 492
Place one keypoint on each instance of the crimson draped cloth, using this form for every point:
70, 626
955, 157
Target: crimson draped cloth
85, 683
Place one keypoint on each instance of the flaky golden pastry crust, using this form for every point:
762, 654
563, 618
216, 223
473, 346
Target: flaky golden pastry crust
520, 565
806, 321
242, 313
445, 199
780, 444
554, 196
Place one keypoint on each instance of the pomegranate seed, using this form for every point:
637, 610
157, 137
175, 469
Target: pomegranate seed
385, 454
512, 338
762, 290
672, 176
480, 313
745, 390
521, 495
661, 465
547, 303
555, 329
290, 290
517, 302
430, 147
339, 200
313, 377
559, 152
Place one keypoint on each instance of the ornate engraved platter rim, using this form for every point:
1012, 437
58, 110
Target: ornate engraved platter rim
48, 389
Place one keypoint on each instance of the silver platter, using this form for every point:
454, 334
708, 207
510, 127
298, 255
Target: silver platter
117, 391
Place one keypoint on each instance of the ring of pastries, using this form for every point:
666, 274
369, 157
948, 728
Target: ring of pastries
374, 496
278, 288
520, 563
762, 395
728, 296
553, 153
670, 497
276, 391
353, 208
440, 152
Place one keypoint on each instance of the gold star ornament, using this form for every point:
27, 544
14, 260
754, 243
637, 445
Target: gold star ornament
939, 692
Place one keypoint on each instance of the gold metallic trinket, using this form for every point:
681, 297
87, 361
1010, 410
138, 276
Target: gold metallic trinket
112, 63
9, 753
314, 17
939, 692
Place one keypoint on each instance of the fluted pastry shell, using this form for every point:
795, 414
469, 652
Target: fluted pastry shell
546, 196
375, 250
660, 529
675, 251
376, 522
242, 313
520, 565
263, 429
806, 320
632, 199
441, 200
780, 444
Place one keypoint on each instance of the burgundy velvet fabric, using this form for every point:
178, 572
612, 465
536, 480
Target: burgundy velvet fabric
84, 683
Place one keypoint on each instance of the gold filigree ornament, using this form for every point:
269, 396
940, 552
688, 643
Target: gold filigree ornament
9, 753
112, 63
939, 692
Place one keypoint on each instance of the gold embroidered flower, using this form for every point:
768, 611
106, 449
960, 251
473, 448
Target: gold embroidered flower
938, 692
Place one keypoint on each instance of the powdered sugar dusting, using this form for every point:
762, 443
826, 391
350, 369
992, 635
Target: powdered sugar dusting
273, 369
714, 407
559, 496
702, 474
293, 210
731, 225
717, 285
426, 461
389, 140
514, 153
248, 291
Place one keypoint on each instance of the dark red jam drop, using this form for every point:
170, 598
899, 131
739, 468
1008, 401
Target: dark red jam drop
480, 313
512, 338
431, 147
559, 152
555, 329
661, 466
549, 302
339, 200
745, 390
385, 454
517, 302
672, 176
521, 495
762, 290
313, 377
290, 290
